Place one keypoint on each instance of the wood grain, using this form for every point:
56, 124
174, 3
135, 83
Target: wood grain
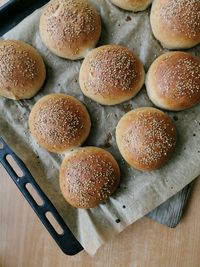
24, 242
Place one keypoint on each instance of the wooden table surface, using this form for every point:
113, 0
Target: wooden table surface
24, 242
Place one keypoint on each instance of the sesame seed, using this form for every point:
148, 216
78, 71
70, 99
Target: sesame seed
175, 118
128, 18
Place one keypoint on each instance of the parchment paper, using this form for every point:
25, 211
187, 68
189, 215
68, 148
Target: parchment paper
139, 192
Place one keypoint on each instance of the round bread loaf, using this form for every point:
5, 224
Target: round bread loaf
111, 74
22, 70
146, 138
88, 176
173, 81
70, 28
59, 122
176, 23
132, 5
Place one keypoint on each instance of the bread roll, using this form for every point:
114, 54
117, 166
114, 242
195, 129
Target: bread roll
146, 138
111, 74
70, 28
176, 23
59, 122
22, 70
88, 176
173, 81
132, 5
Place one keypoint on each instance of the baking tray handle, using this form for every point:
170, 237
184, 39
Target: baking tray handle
66, 241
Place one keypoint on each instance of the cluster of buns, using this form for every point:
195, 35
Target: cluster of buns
88, 176
109, 75
175, 23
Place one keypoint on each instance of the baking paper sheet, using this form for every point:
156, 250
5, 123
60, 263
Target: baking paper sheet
139, 192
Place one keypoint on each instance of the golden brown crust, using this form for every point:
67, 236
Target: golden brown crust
173, 81
132, 5
146, 138
176, 23
111, 74
59, 122
88, 176
22, 70
70, 28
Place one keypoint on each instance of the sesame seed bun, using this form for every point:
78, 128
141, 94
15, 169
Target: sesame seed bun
173, 81
132, 5
59, 122
176, 23
22, 70
88, 176
111, 74
70, 28
146, 138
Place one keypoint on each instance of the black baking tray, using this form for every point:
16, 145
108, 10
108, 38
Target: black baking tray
66, 241
7, 5
16, 10
169, 213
